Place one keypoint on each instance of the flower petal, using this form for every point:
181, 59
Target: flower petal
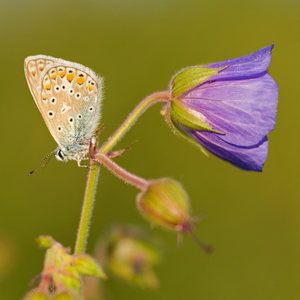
244, 109
246, 66
247, 158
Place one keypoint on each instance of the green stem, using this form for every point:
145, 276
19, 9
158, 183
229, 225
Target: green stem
87, 208
143, 105
94, 170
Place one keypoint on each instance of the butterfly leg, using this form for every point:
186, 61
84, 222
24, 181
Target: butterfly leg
79, 162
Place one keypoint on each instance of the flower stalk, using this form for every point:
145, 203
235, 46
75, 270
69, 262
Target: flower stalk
94, 170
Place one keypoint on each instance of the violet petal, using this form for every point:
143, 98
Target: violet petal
244, 109
245, 66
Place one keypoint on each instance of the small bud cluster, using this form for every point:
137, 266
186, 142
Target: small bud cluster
130, 254
61, 278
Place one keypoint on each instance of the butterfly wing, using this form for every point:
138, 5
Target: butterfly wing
69, 97
34, 67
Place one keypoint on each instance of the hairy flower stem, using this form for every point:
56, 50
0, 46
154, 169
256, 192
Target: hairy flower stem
94, 170
143, 105
139, 182
87, 208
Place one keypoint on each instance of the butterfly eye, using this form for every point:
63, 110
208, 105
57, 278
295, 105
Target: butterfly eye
53, 100
71, 120
50, 114
60, 156
79, 116
77, 96
59, 128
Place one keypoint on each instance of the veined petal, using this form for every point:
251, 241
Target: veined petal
250, 158
246, 66
244, 109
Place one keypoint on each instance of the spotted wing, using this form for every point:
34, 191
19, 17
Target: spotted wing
70, 102
68, 96
34, 67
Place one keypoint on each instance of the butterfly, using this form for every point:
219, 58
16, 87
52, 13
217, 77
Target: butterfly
68, 95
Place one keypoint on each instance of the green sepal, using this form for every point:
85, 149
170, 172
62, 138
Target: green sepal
180, 131
190, 78
71, 278
86, 265
188, 117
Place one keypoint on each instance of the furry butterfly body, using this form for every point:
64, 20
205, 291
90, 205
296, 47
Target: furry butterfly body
68, 95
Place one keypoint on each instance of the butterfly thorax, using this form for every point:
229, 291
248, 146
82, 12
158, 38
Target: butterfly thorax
77, 151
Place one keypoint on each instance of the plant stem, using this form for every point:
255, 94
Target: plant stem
94, 170
142, 106
87, 208
139, 182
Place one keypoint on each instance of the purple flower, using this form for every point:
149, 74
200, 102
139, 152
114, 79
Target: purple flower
234, 107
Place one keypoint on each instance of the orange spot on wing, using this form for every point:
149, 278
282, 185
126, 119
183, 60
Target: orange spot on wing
80, 80
95, 91
48, 86
44, 97
62, 73
53, 76
91, 88
70, 76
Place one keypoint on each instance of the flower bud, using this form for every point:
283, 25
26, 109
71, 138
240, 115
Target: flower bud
166, 204
62, 271
37, 294
131, 254
66, 295
45, 241
86, 265
71, 278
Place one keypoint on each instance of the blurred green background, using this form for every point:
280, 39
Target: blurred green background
137, 45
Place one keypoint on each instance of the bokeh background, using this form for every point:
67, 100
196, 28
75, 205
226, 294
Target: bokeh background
137, 45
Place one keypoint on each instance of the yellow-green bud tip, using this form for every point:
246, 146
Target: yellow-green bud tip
37, 294
86, 265
165, 203
45, 241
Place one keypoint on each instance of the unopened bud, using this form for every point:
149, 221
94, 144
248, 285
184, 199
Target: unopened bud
37, 294
165, 203
66, 295
86, 265
71, 279
45, 241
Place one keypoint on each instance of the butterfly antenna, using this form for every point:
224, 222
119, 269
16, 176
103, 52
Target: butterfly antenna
48, 156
